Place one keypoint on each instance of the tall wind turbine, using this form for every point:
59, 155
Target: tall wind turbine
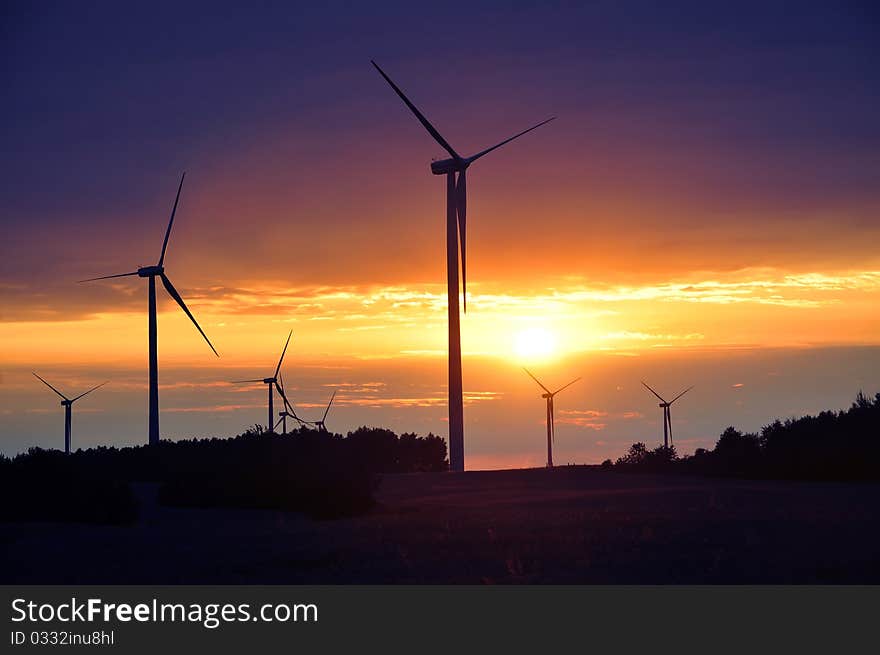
456, 230
151, 273
320, 424
551, 427
67, 403
667, 417
272, 383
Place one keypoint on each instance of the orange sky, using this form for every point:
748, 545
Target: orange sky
695, 200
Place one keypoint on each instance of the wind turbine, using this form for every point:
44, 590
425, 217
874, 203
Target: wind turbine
456, 230
288, 410
667, 418
67, 403
551, 427
320, 424
272, 383
151, 273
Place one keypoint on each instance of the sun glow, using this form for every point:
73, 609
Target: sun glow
535, 343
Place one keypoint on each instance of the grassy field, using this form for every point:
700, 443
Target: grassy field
567, 525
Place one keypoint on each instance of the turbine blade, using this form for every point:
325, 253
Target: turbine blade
243, 381
173, 293
90, 391
278, 368
461, 207
552, 422
566, 386
287, 404
652, 391
536, 380
50, 386
107, 277
277, 423
669, 423
171, 222
681, 394
323, 418
424, 121
515, 136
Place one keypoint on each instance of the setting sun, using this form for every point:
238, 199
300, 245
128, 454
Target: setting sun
535, 343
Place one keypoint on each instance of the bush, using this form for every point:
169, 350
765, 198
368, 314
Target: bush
273, 472
46, 485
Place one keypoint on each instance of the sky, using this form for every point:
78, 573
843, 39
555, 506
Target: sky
703, 212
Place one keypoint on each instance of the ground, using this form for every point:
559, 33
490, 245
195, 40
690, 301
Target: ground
559, 526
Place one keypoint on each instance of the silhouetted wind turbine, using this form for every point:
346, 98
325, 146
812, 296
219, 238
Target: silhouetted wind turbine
456, 229
272, 382
151, 272
667, 418
288, 409
551, 427
320, 424
67, 403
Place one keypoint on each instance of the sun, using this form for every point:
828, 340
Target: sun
534, 343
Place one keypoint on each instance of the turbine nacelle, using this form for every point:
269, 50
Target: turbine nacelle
150, 271
270, 380
446, 166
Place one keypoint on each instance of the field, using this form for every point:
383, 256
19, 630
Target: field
567, 525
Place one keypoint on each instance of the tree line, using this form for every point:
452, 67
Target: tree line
321, 474
832, 445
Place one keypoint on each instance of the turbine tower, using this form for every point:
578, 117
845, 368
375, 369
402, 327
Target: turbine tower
67, 404
151, 273
272, 383
667, 417
551, 427
456, 231
320, 424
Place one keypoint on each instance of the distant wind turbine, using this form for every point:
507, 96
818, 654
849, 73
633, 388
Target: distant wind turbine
551, 427
456, 229
288, 410
67, 403
667, 418
320, 424
151, 272
272, 383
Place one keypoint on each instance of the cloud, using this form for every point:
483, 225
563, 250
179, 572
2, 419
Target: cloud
583, 422
591, 413
380, 306
208, 409
645, 336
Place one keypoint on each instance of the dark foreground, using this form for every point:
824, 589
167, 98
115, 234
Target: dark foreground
568, 525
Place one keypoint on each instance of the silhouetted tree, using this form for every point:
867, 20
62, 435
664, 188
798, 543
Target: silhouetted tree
842, 445
635, 455
320, 473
